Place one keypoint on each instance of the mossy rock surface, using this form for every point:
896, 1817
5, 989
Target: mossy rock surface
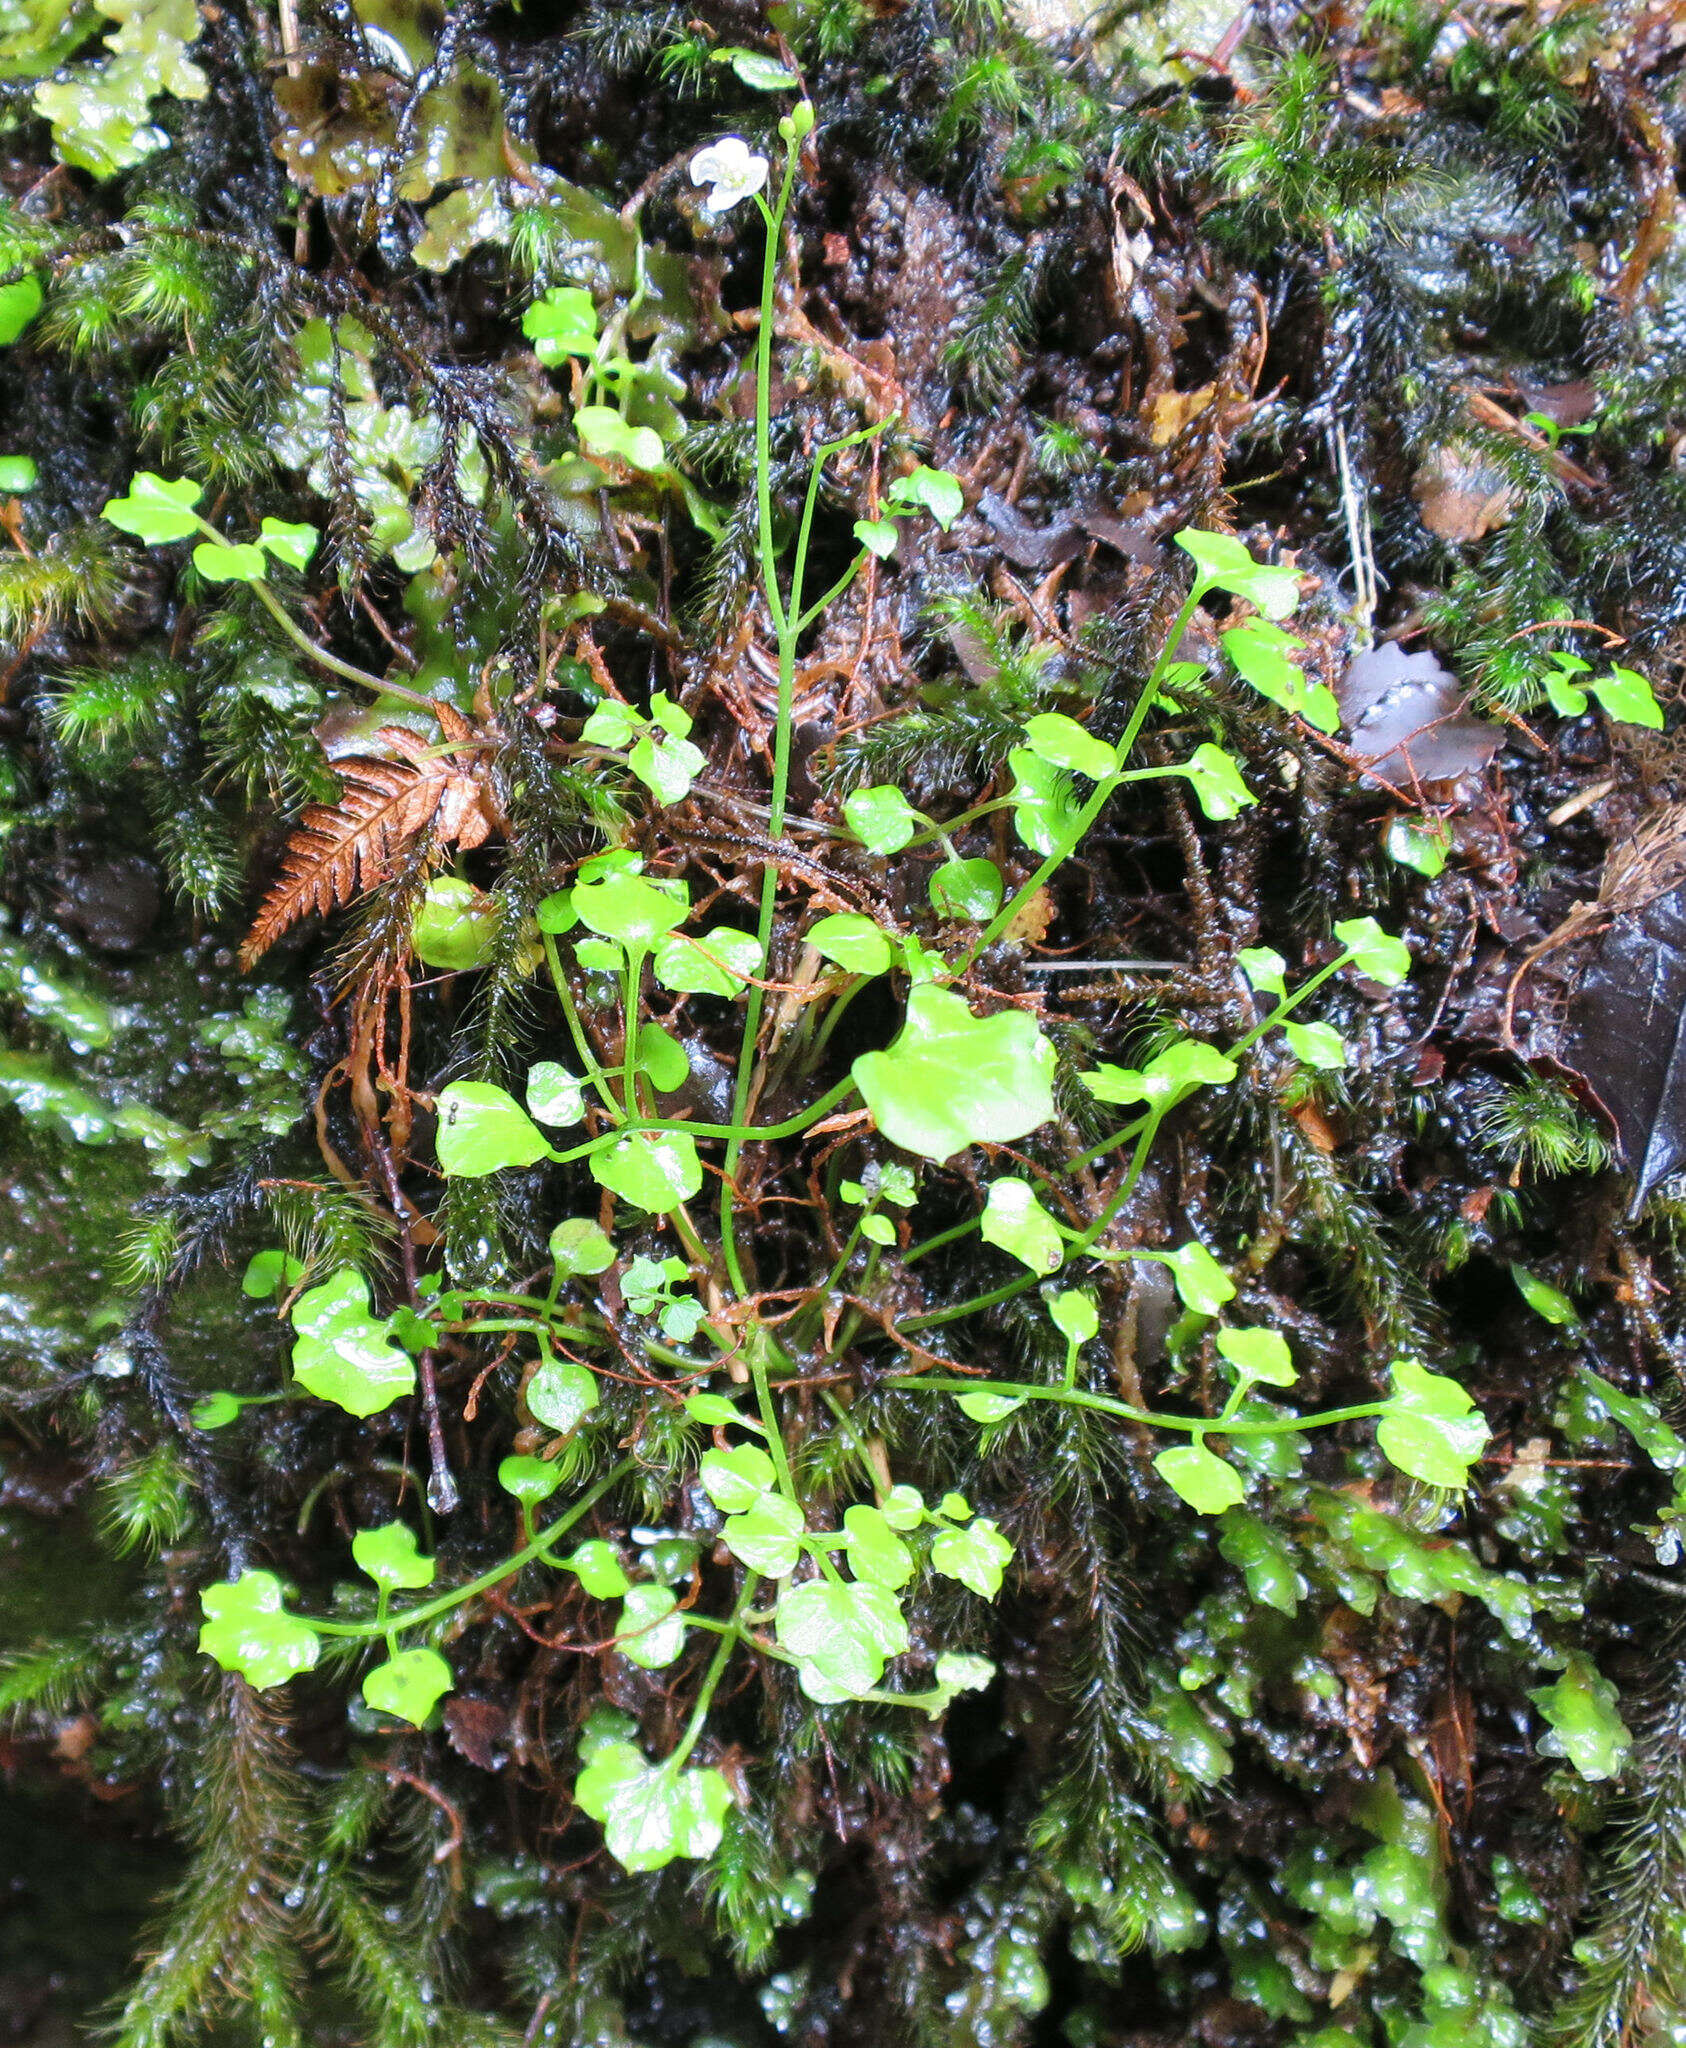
953, 1318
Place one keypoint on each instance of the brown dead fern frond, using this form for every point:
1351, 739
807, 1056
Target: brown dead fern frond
383, 805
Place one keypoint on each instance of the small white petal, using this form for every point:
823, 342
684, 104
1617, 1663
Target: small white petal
732, 170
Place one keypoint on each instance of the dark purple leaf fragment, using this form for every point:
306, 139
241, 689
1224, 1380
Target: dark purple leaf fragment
1407, 720
1029, 545
1627, 1035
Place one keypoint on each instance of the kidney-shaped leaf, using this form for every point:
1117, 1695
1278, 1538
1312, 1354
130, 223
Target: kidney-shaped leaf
157, 508
248, 1630
344, 1354
409, 1685
1198, 1476
951, 1079
1432, 1428
843, 1635
650, 1812
654, 1170
561, 1395
652, 1631
391, 1558
767, 1536
627, 908
976, 1555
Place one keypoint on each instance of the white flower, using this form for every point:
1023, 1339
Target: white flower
733, 170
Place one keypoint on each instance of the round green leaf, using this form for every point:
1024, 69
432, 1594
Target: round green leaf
662, 1058
248, 1630
1016, 1221
409, 1686
17, 473
1265, 969
877, 536
951, 1079
561, 1395
767, 1536
218, 562
268, 1270
1316, 1045
291, 541
1432, 1429
343, 1353
556, 913
1259, 652
715, 963
528, 1480
391, 1557
651, 1814
1217, 782
1219, 558
604, 433
19, 304
961, 1671
654, 1170
483, 1129
736, 1479
1063, 743
215, 1411
903, 1507
651, 1632
1258, 1355
554, 1097
1074, 1315
579, 1246
156, 509
612, 724
935, 490
762, 74
1202, 1283
976, 1555
842, 1634
1628, 698
628, 908
666, 767
598, 1568
882, 819
1199, 1477
1045, 801
1420, 843
987, 1407
453, 926
969, 889
876, 1552
851, 941
1189, 1064
713, 1411
561, 324
1376, 955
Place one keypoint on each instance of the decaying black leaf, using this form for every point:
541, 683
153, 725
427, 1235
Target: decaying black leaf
1628, 1035
1407, 719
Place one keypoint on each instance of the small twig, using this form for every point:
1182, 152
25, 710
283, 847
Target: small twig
451, 1847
